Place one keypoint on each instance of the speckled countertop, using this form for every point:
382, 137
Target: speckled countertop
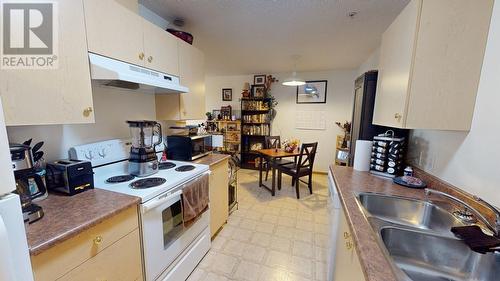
67, 216
348, 181
212, 159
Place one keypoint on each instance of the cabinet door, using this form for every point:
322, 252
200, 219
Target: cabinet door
218, 196
120, 262
114, 31
192, 75
160, 49
396, 57
56, 96
347, 266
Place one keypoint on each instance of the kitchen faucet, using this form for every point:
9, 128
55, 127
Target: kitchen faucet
466, 215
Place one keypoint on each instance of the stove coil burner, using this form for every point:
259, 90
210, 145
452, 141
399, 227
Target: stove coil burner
166, 165
147, 183
185, 168
119, 179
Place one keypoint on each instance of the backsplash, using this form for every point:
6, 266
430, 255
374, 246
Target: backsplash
112, 107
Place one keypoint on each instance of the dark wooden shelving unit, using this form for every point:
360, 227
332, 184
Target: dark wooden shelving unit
255, 125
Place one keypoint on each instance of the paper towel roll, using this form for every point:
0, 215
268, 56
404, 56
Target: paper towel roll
362, 155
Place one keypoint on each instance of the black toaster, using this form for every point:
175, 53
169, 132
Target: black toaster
69, 176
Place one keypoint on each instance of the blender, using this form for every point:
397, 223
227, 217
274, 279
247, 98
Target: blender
143, 161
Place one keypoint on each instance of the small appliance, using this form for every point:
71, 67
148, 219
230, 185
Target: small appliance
143, 161
188, 148
70, 176
29, 184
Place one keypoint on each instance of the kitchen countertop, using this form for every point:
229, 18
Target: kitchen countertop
67, 216
212, 159
373, 262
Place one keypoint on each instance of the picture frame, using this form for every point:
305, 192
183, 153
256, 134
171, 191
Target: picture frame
227, 94
258, 91
259, 79
313, 92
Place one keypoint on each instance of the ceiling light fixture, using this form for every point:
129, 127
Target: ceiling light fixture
293, 80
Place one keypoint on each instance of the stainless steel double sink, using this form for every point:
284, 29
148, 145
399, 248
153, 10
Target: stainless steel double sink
415, 236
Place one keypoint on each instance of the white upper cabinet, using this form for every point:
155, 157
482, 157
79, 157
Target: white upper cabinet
117, 32
160, 49
114, 31
430, 65
53, 96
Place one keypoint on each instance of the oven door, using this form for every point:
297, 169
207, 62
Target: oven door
164, 236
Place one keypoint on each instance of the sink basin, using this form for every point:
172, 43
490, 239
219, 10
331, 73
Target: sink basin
410, 212
424, 256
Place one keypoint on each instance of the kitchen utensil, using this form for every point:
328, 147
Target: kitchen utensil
37, 147
410, 182
28, 142
145, 136
21, 156
37, 156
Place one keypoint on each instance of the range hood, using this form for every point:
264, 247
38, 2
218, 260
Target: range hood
115, 73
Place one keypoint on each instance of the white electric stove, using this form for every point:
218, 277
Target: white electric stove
171, 250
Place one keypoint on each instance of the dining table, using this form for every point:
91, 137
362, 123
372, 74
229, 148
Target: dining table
272, 155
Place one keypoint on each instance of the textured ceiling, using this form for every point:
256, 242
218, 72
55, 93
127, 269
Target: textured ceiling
261, 36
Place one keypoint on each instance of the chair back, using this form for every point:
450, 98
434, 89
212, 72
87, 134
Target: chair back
272, 142
307, 155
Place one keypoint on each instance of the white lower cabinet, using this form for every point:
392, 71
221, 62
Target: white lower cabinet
347, 266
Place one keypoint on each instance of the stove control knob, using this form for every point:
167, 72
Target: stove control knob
89, 155
102, 153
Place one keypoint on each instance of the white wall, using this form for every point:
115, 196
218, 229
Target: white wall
112, 108
337, 108
371, 63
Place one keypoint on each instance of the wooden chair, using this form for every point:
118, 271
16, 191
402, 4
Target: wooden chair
273, 142
303, 167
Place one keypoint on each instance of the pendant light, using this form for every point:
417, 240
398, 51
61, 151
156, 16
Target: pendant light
294, 80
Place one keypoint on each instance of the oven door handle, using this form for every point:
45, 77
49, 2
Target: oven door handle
159, 201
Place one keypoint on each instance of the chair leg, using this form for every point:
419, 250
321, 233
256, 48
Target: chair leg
267, 171
310, 184
297, 183
280, 175
293, 181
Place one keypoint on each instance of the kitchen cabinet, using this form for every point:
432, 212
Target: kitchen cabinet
430, 64
347, 266
134, 40
219, 194
108, 251
192, 75
53, 96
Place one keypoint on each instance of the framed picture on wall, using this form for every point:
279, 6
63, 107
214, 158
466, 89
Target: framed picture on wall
258, 91
259, 79
312, 92
227, 94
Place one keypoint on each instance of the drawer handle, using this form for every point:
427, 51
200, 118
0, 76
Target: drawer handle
98, 240
141, 56
346, 235
150, 59
348, 245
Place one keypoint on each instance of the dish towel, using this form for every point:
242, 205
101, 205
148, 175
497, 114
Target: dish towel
476, 239
195, 198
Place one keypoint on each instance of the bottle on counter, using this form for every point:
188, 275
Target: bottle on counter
408, 171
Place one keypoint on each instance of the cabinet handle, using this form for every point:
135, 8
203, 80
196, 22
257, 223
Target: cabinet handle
141, 56
150, 59
87, 111
397, 116
348, 245
346, 235
98, 240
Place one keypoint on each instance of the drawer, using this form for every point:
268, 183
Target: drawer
119, 262
60, 259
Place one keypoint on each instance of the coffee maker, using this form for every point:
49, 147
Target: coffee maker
143, 161
29, 184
